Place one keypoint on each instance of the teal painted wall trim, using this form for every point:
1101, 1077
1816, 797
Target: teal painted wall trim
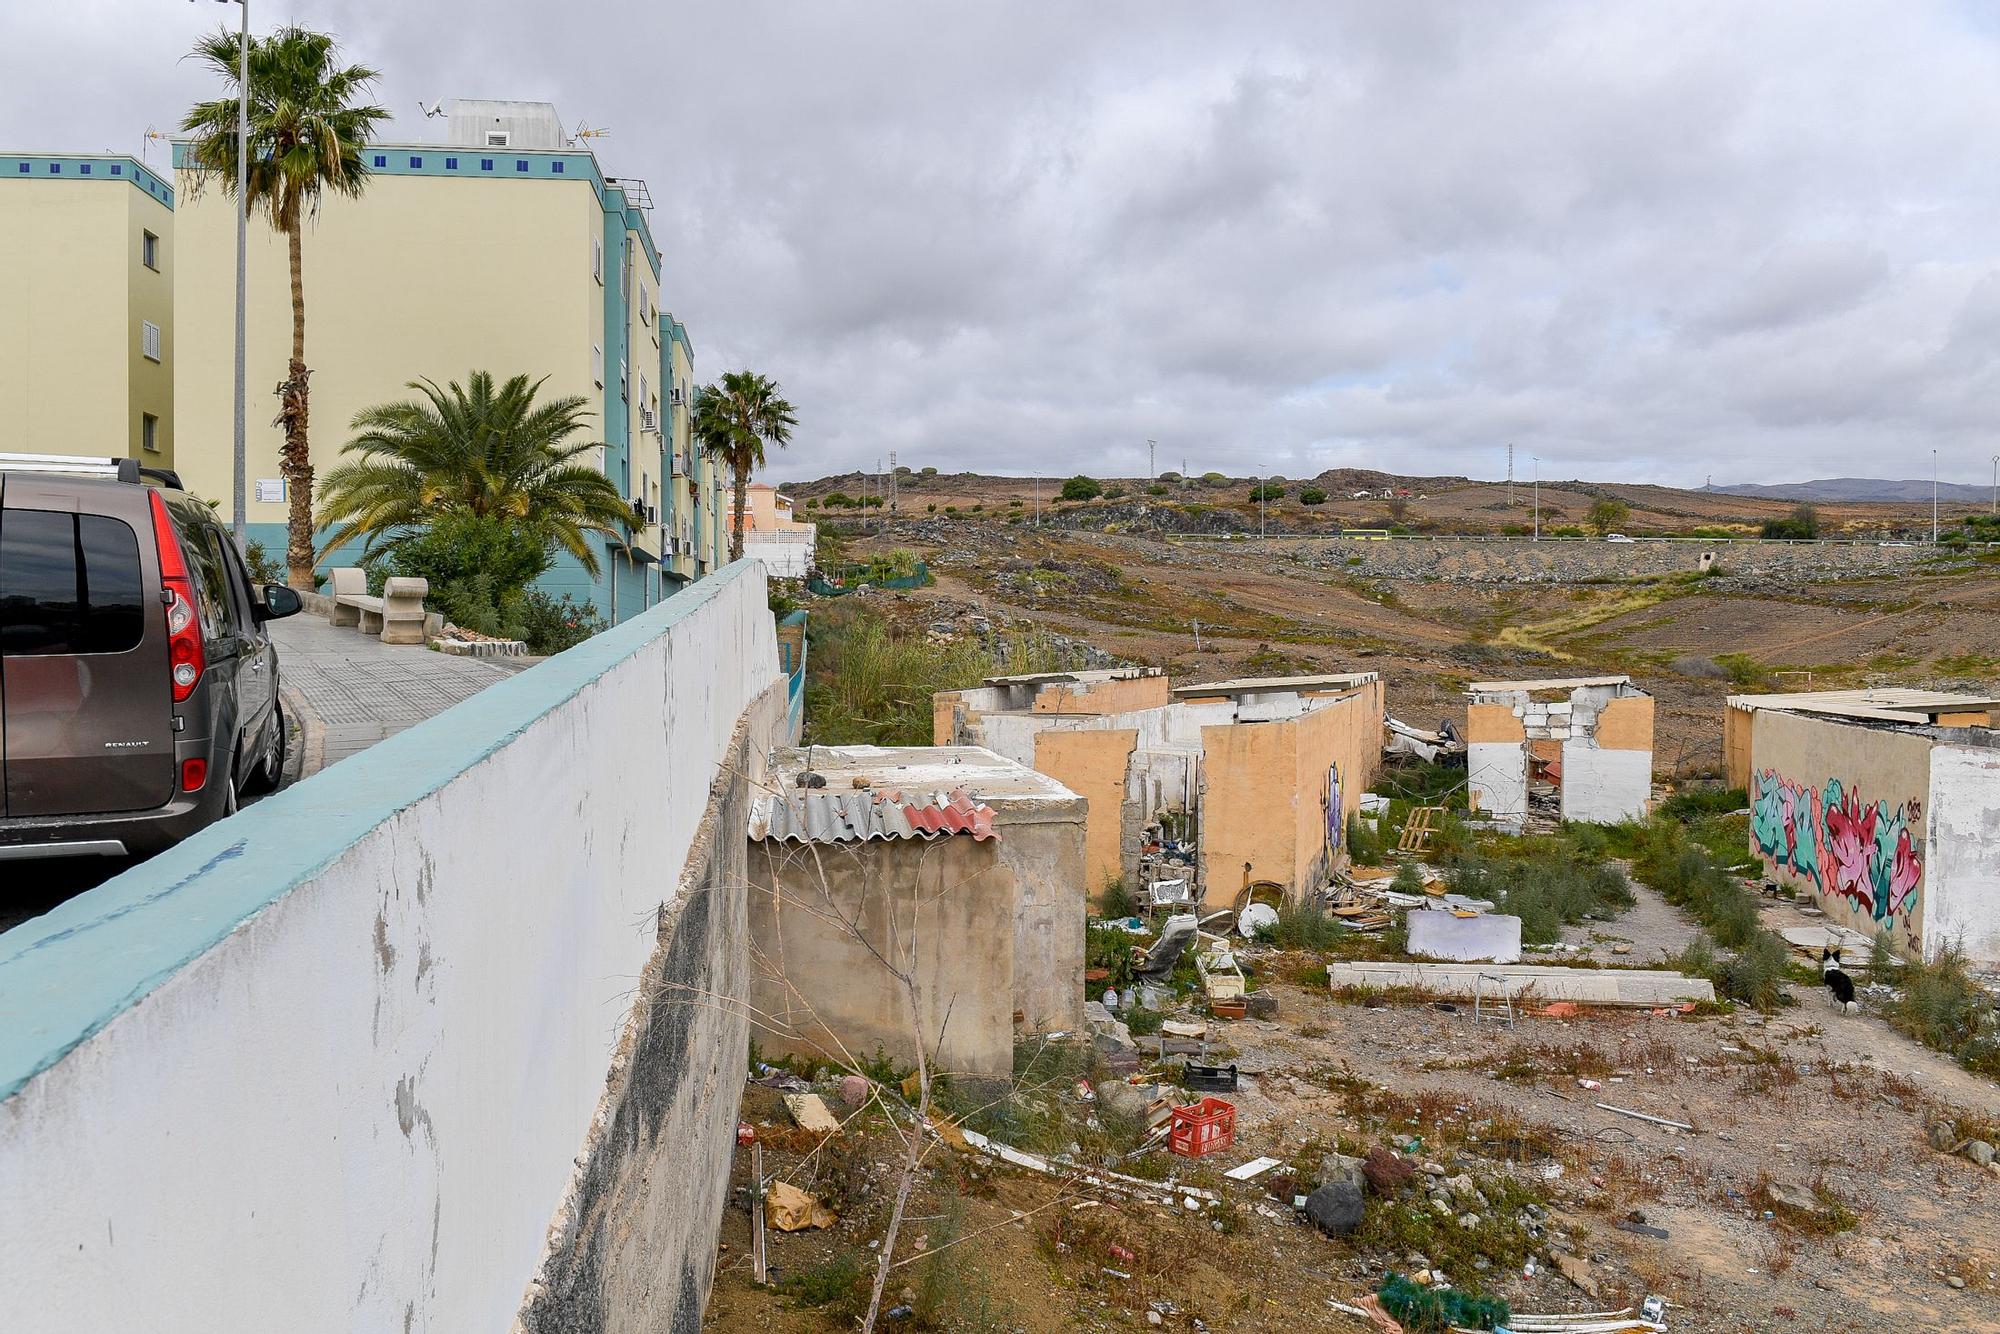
88, 167
67, 974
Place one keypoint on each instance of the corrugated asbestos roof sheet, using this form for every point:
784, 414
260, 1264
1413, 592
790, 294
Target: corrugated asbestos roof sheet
856, 815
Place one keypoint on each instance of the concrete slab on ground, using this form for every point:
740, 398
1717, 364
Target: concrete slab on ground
1587, 986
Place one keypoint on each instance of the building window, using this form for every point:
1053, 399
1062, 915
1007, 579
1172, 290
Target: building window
597, 365
451, 164
520, 164
556, 167
624, 380
149, 251
381, 161
597, 258
149, 340
24, 167
486, 164
117, 170
83, 169
416, 162
55, 168
149, 433
498, 138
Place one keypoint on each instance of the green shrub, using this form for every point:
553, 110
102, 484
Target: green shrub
1312, 495
1803, 523
1114, 493
927, 472
1116, 900
1304, 925
1546, 890
1364, 845
1156, 490
1267, 493
1214, 479
263, 570
840, 1281
1080, 487
475, 566
1946, 1010
1143, 1023
551, 624
1686, 804
1109, 948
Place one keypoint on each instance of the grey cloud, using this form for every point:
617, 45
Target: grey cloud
1653, 241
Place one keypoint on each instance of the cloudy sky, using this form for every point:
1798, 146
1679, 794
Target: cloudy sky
1642, 241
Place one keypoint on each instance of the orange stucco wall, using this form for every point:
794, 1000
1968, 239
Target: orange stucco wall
1121, 696
1736, 728
1092, 765
1492, 722
1626, 724
1265, 792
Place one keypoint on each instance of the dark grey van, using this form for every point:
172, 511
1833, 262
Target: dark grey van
138, 685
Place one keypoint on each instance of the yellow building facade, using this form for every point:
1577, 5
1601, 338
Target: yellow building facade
87, 345
456, 258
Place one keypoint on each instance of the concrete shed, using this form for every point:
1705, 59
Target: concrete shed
1883, 807
951, 863
1587, 739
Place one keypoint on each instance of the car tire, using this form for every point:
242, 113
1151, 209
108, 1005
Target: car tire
270, 768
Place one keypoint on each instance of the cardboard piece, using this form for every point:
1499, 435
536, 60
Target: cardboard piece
790, 1209
811, 1113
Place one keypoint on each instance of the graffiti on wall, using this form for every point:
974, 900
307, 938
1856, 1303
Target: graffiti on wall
1335, 824
1862, 851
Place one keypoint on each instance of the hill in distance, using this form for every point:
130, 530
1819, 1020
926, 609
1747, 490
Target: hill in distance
1858, 490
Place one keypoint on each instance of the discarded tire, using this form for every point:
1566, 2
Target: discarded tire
1335, 1209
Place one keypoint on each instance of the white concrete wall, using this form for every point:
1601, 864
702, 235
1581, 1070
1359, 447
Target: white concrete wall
1962, 873
1604, 786
1497, 774
332, 1064
785, 556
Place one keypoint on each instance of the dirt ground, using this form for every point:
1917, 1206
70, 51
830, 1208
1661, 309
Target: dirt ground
1829, 1103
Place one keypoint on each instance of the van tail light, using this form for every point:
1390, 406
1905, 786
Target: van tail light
185, 660
193, 774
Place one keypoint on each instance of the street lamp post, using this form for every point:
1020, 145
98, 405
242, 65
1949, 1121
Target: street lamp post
237, 494
1934, 498
1538, 496
1263, 492
1996, 483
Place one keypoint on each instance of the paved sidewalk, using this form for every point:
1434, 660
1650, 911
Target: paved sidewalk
348, 691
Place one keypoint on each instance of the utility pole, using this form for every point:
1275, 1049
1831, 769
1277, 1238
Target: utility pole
1510, 476
1151, 471
1538, 497
1263, 490
237, 488
892, 484
1996, 483
1934, 498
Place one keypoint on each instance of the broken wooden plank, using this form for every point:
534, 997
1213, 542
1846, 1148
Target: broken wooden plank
758, 1267
1254, 1168
1643, 1116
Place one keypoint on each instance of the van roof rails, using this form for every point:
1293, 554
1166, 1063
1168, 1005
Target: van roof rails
124, 470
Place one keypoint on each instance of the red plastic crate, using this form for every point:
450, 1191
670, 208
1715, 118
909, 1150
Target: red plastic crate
1202, 1128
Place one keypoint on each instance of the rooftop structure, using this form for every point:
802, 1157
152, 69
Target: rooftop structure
955, 859
1580, 747
1882, 806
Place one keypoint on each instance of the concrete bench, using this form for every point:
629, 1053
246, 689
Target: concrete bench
397, 616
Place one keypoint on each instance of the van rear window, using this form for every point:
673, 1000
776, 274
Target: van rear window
69, 583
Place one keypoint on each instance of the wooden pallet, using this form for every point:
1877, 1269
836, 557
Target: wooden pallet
1417, 830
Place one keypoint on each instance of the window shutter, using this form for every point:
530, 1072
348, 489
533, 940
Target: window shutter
149, 340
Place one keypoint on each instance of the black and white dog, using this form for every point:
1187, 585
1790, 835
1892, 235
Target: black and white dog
1838, 982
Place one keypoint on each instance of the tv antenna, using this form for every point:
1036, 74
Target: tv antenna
431, 112
584, 131
147, 143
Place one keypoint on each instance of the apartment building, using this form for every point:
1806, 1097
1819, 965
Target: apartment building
86, 307
771, 533
505, 248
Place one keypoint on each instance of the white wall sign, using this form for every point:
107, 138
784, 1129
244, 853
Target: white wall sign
271, 488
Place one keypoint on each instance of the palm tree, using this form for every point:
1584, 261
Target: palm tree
307, 130
733, 422
494, 454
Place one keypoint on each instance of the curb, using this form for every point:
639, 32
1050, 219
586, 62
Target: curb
309, 756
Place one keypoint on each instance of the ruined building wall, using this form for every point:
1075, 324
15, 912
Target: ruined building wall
1963, 854
1841, 812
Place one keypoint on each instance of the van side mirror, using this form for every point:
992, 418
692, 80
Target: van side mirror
278, 602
